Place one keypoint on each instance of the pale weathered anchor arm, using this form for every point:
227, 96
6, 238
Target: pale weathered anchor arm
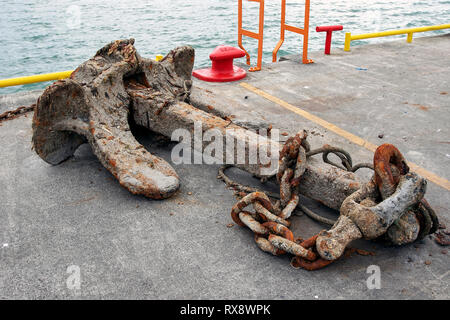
93, 106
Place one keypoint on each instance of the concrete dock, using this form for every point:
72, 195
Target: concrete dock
76, 215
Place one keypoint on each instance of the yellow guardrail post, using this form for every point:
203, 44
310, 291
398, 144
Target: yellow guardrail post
349, 37
410, 37
34, 79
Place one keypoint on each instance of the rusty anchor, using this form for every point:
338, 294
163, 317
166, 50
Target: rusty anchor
94, 105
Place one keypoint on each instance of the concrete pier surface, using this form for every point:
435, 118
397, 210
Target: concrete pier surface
56, 220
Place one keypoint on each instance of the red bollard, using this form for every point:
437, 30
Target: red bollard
222, 69
329, 30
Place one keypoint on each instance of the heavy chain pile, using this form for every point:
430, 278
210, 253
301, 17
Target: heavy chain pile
270, 221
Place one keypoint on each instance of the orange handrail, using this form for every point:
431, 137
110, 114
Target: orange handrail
285, 27
258, 36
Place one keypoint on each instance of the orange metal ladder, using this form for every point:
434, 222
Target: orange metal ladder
285, 27
258, 36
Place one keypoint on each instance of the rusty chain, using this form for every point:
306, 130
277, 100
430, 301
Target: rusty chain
270, 222
12, 114
390, 165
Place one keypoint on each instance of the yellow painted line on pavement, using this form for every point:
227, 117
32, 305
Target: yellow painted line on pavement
442, 182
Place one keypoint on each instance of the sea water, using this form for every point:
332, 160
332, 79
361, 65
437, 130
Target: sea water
41, 36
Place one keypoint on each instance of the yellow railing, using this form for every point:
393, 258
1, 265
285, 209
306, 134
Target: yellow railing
349, 37
44, 77
34, 79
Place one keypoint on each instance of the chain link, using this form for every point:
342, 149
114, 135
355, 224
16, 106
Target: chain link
12, 114
269, 222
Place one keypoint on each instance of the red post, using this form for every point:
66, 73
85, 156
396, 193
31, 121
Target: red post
329, 30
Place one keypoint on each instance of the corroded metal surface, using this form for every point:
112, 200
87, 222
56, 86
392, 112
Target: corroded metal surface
291, 247
389, 165
394, 195
374, 221
280, 240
